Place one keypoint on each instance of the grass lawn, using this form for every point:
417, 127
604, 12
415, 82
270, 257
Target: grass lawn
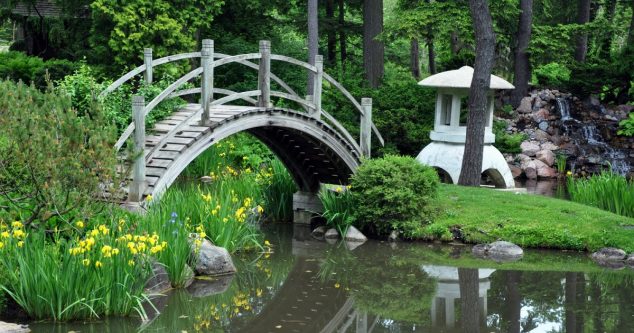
484, 215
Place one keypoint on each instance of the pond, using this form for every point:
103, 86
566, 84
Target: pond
311, 286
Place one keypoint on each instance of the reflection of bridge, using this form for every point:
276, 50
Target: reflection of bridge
312, 144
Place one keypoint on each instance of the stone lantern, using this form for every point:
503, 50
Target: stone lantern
450, 127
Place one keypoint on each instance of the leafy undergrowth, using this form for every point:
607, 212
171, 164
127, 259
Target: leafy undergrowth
480, 215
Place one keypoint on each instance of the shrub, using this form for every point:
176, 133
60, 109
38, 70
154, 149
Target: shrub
53, 162
18, 66
393, 193
552, 74
507, 142
626, 126
338, 208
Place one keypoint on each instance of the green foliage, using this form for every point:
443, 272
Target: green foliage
90, 275
552, 74
607, 190
507, 142
626, 126
560, 162
394, 193
278, 194
53, 160
338, 208
168, 27
17, 66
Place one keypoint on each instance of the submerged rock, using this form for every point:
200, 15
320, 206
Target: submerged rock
480, 250
213, 260
159, 281
332, 234
208, 287
13, 328
354, 235
609, 254
319, 232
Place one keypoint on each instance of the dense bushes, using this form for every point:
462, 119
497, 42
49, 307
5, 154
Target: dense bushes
393, 193
507, 142
552, 74
17, 66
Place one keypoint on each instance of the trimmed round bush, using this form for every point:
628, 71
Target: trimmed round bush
393, 193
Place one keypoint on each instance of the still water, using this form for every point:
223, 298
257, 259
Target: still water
311, 286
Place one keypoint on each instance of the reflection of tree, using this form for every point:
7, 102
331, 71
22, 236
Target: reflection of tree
469, 299
511, 313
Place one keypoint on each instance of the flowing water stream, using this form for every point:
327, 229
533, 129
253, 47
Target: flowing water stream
312, 286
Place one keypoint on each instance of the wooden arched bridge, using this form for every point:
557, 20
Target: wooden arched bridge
311, 143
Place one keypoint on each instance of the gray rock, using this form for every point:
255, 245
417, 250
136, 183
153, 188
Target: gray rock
630, 260
332, 234
13, 328
546, 156
352, 245
208, 287
354, 235
501, 249
480, 250
205, 179
525, 105
609, 254
159, 281
319, 232
543, 125
549, 146
213, 260
394, 236
529, 148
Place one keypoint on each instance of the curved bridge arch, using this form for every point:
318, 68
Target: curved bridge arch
311, 150
312, 144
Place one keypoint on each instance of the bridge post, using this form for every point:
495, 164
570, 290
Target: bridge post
366, 127
319, 63
264, 74
138, 174
207, 84
147, 60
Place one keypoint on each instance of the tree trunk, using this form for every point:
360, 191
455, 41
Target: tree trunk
332, 32
522, 63
478, 93
414, 58
469, 299
605, 41
454, 41
373, 49
313, 41
580, 302
342, 36
514, 305
570, 300
432, 55
583, 17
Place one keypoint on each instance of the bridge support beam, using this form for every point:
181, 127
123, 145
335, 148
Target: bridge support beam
264, 74
305, 206
147, 60
366, 127
138, 173
207, 82
319, 63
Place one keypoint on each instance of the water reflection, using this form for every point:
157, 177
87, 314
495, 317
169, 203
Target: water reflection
308, 286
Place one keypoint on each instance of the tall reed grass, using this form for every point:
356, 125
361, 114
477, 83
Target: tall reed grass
338, 208
278, 193
607, 190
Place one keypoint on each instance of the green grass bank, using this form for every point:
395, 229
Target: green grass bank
482, 215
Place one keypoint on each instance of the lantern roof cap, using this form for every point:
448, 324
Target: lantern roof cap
461, 78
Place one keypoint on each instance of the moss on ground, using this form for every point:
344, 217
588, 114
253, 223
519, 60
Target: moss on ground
481, 215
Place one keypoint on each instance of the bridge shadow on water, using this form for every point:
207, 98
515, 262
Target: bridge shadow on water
312, 286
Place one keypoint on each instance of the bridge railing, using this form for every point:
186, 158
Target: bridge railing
210, 60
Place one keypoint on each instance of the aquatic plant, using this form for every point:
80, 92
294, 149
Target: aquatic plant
97, 272
606, 190
278, 193
338, 208
560, 162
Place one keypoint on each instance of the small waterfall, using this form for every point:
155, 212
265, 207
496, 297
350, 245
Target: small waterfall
564, 108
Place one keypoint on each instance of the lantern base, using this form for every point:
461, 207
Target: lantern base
447, 159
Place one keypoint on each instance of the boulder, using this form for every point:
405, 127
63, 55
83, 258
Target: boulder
480, 250
609, 254
515, 171
529, 148
546, 156
208, 287
319, 232
159, 281
543, 125
530, 171
213, 260
543, 170
525, 105
332, 234
630, 260
540, 135
549, 146
502, 249
354, 235
13, 328
540, 115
